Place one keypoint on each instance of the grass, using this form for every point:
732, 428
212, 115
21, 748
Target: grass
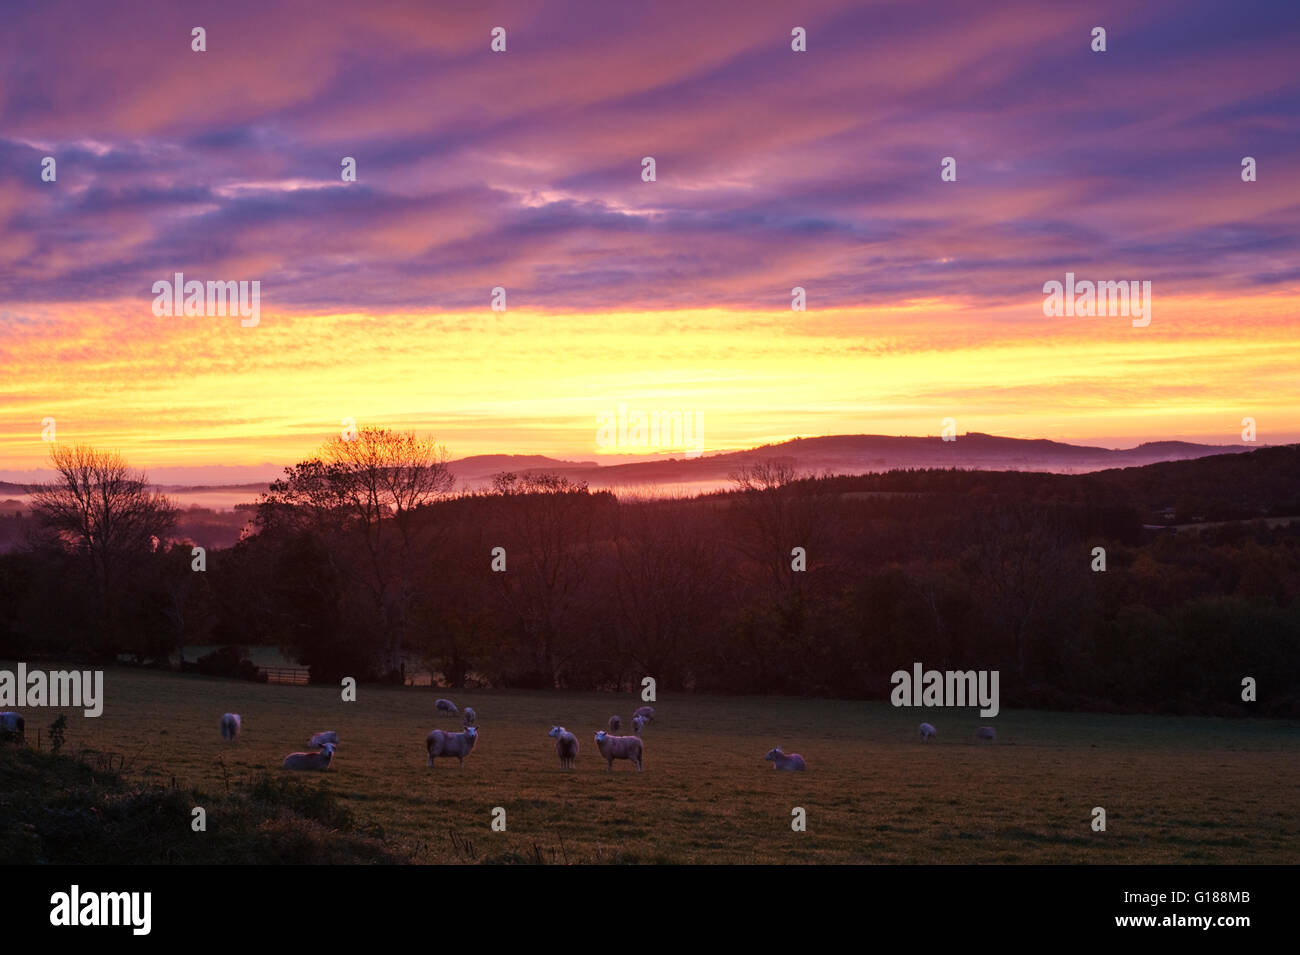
57, 809
1175, 790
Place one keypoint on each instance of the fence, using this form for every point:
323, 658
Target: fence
294, 676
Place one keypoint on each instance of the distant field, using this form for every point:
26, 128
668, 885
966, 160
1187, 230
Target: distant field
1175, 790
264, 656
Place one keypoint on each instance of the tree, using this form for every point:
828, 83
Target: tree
550, 529
361, 496
106, 513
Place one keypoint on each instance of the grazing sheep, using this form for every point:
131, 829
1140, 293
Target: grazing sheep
647, 713
469, 717
615, 724
319, 760
566, 746
638, 724
985, 732
619, 747
329, 736
445, 706
230, 726
928, 732
441, 743
779, 760
12, 724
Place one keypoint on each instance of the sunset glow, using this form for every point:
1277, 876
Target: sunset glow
774, 171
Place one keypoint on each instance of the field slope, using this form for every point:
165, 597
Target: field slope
1175, 790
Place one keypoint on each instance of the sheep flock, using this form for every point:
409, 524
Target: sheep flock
442, 743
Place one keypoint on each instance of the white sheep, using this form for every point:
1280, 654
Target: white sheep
329, 736
638, 724
779, 760
615, 724
445, 706
985, 732
13, 723
230, 726
469, 717
442, 743
566, 746
647, 713
319, 760
619, 747
928, 732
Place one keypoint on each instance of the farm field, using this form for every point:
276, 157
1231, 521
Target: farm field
1175, 790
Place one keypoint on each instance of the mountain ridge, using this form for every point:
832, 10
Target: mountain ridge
841, 454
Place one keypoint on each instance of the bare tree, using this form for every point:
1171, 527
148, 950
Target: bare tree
102, 509
667, 558
367, 489
768, 475
777, 513
554, 522
1024, 569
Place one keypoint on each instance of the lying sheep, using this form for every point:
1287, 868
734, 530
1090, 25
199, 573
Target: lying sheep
13, 724
566, 746
985, 732
319, 760
928, 732
445, 706
469, 717
318, 739
442, 743
230, 726
615, 724
647, 713
779, 760
638, 724
619, 747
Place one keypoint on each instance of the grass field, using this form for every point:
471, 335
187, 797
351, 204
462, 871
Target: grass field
1175, 790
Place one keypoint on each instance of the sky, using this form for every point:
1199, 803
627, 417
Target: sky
523, 170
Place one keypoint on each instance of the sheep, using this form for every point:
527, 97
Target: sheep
329, 736
619, 747
566, 746
928, 732
985, 732
319, 760
615, 724
445, 706
12, 724
230, 726
647, 713
440, 743
779, 760
469, 717
638, 724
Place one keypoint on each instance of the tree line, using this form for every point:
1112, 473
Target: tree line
365, 561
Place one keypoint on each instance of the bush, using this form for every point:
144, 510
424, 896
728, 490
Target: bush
58, 733
227, 661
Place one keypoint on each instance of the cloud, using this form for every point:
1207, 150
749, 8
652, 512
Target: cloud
522, 169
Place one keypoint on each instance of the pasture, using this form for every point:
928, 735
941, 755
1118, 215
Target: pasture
1175, 790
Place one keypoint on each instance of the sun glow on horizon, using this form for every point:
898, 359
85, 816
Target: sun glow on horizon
199, 392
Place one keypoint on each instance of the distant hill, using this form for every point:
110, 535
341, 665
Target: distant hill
868, 453
839, 454
479, 469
